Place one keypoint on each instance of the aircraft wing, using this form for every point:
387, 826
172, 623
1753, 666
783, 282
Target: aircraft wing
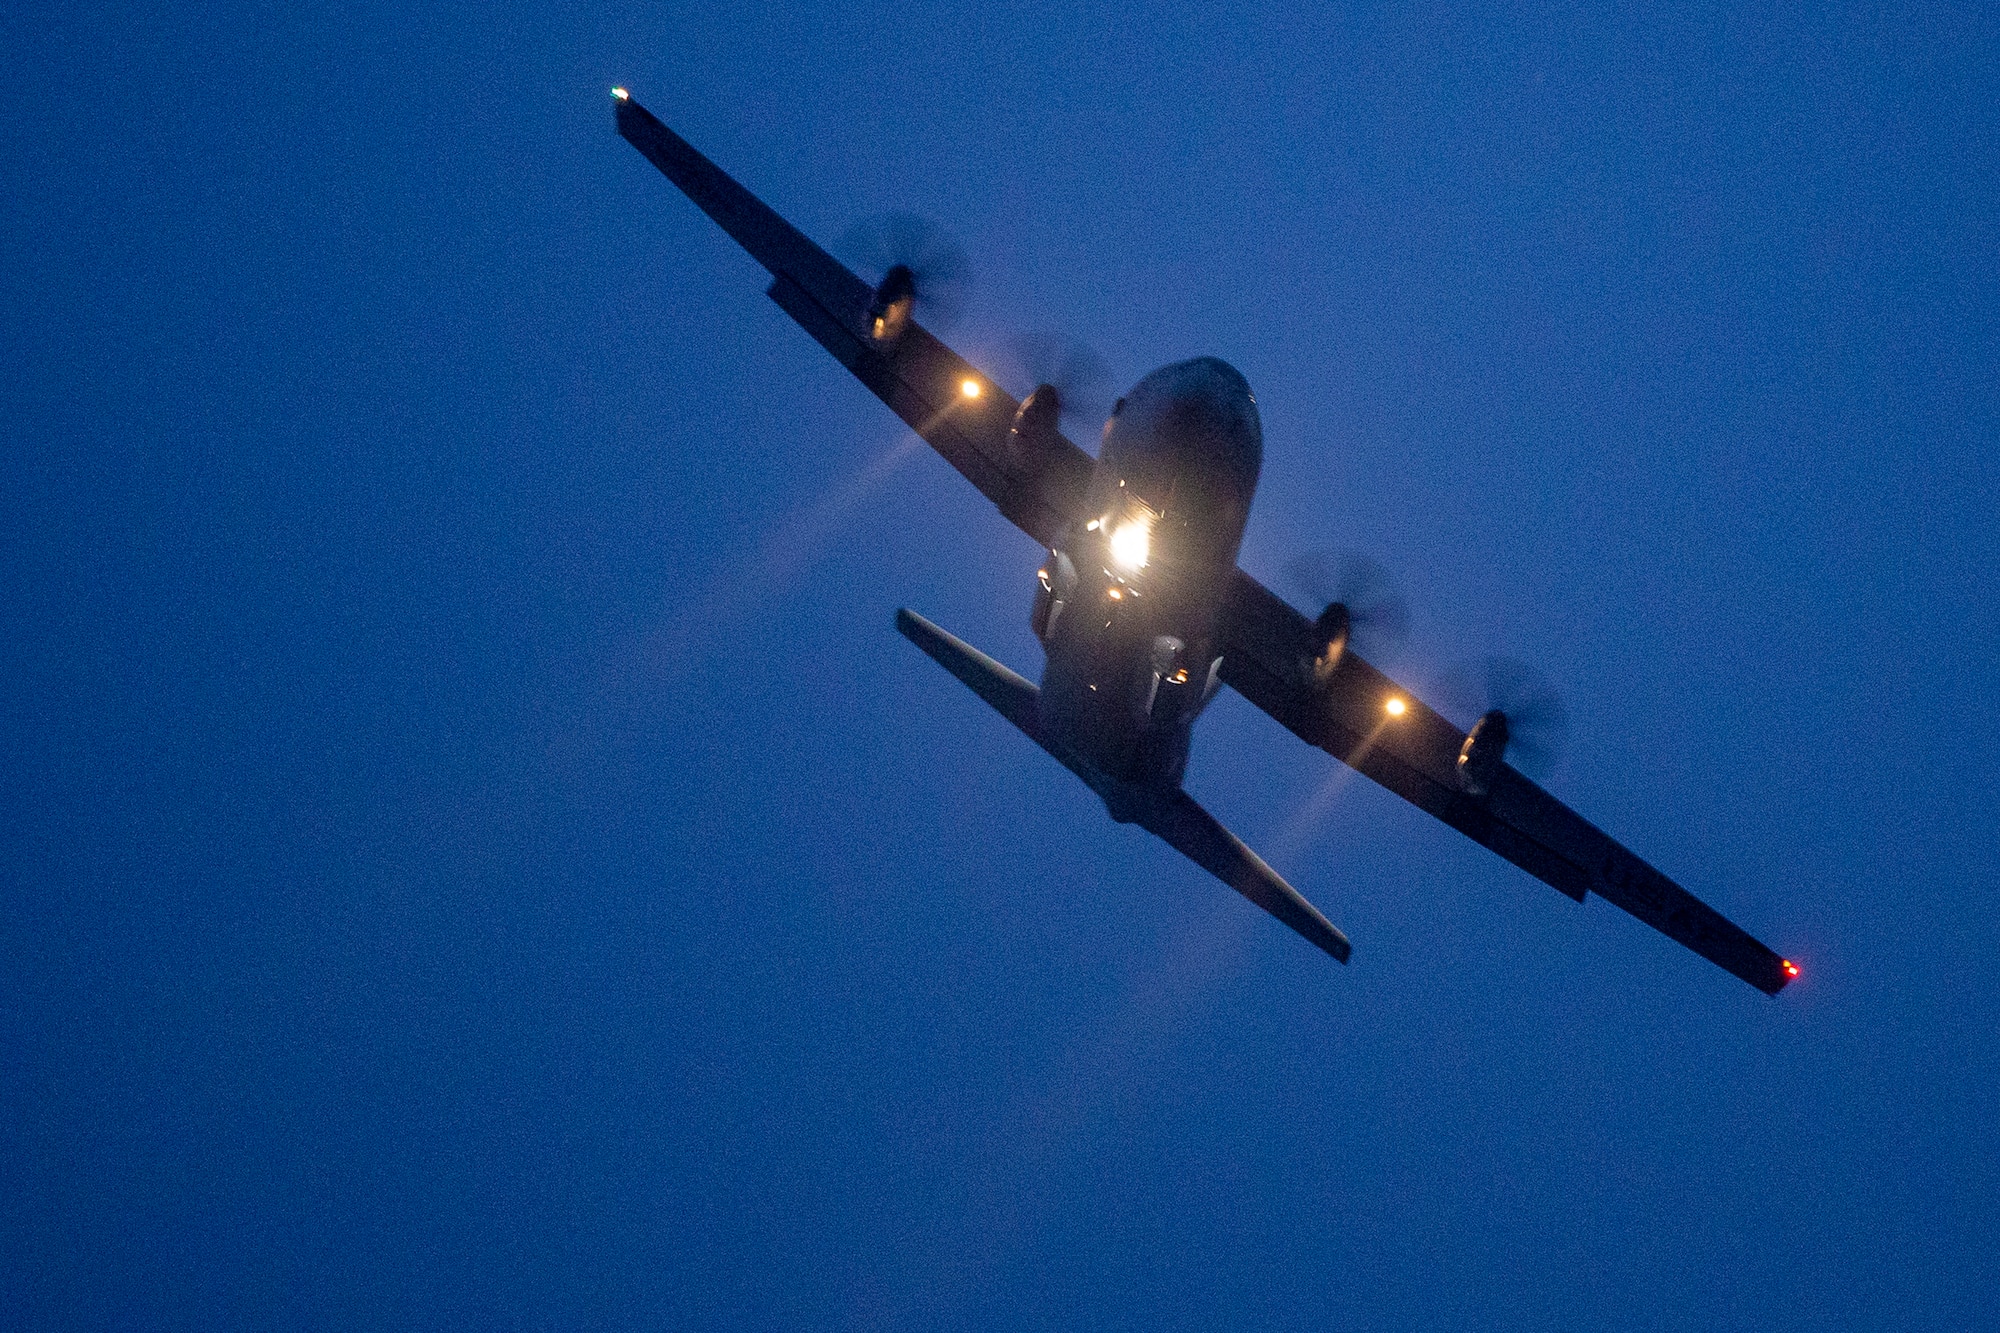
1037, 479
1268, 648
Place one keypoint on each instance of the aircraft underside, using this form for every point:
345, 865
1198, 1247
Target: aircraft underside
1144, 614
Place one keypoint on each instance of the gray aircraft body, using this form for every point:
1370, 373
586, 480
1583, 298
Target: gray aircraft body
1143, 614
1127, 600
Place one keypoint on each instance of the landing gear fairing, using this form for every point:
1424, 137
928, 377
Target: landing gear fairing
1142, 612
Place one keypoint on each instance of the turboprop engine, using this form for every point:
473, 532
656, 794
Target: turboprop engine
1485, 750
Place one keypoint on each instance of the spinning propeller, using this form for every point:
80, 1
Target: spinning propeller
914, 263
1081, 378
1363, 606
1522, 719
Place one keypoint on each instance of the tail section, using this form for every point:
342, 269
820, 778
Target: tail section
1172, 816
1196, 834
1012, 695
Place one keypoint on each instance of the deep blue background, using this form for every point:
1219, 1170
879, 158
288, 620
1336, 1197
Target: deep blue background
474, 851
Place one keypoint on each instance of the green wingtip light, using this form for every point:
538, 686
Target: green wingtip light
621, 94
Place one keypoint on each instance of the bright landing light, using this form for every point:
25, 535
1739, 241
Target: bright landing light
1395, 707
1130, 544
970, 388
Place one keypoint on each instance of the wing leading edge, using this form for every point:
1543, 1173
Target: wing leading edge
1038, 482
1267, 646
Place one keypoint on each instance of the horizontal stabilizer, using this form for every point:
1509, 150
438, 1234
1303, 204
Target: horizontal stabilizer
1012, 695
1173, 816
1201, 838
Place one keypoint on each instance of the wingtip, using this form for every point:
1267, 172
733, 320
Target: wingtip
1770, 975
626, 111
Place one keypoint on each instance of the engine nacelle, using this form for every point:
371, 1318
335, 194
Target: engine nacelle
889, 313
1330, 633
1484, 753
1036, 428
1037, 416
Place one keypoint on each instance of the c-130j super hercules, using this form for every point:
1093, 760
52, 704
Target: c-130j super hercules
1143, 613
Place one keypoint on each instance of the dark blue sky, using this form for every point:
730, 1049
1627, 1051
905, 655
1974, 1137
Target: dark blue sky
475, 852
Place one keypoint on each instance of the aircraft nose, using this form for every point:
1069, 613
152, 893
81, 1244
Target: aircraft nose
1198, 409
1205, 381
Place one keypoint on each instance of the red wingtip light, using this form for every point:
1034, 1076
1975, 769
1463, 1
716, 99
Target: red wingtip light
1791, 968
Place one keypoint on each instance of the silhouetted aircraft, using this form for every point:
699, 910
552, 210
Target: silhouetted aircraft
1143, 613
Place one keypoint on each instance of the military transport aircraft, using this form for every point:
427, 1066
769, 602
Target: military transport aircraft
1142, 611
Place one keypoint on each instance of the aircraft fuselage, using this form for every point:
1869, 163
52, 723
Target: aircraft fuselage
1128, 598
